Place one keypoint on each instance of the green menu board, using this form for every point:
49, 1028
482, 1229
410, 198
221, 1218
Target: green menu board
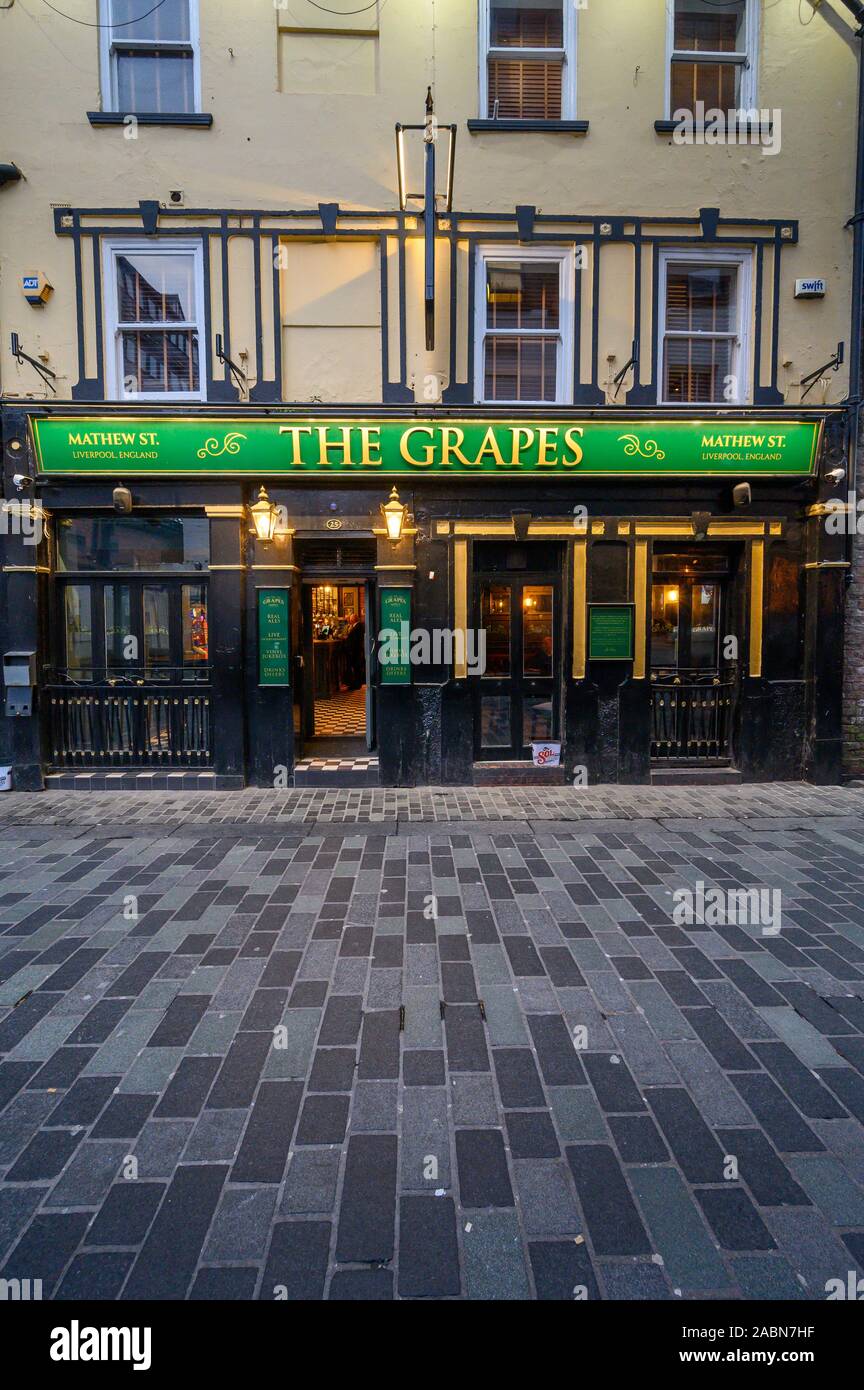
394, 637
610, 631
274, 617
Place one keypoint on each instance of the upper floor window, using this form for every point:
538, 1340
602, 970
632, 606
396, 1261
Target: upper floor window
524, 327
528, 59
149, 57
154, 319
712, 48
704, 327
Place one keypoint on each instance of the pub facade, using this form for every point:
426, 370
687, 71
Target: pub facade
532, 476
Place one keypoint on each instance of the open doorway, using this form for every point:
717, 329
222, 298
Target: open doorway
334, 716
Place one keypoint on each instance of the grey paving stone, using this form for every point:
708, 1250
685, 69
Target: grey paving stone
373, 1107
562, 1271
297, 1262
425, 1146
719, 1102
473, 1100
766, 1277
367, 1212
810, 1245
428, 1248
610, 1214
482, 1167
546, 1198
494, 1259
577, 1113
678, 1233
241, 1226
310, 1183
830, 1188
636, 1279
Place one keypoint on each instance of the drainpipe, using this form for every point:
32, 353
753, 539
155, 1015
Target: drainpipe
856, 377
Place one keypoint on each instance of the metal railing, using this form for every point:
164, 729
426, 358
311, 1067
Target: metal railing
125, 723
691, 715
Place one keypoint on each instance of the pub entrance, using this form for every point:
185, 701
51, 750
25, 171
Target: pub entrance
334, 695
517, 602
695, 622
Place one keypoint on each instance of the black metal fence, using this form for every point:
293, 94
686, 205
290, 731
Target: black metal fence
691, 716
130, 725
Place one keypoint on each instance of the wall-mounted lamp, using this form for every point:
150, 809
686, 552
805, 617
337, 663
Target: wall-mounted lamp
264, 514
394, 516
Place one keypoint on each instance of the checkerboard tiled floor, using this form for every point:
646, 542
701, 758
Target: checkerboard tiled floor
343, 716
466, 1061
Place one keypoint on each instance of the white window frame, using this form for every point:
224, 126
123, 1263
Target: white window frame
567, 54
108, 70
113, 247
741, 355
566, 259
748, 58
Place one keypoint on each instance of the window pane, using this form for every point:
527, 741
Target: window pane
196, 644
521, 369
537, 720
157, 81
703, 626
159, 361
537, 653
157, 639
716, 85
495, 721
523, 294
697, 368
526, 24
169, 21
133, 543
156, 287
702, 26
665, 604
701, 300
119, 653
77, 605
495, 619
525, 90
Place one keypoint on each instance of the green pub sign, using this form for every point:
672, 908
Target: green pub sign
274, 616
610, 631
394, 636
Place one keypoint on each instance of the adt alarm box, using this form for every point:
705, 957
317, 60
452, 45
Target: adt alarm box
19, 678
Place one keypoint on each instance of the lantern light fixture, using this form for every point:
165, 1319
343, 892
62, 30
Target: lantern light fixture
264, 517
394, 516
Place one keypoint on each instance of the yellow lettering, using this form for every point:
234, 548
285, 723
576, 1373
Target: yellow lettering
455, 448
545, 458
371, 439
490, 445
517, 434
570, 441
295, 432
427, 452
325, 445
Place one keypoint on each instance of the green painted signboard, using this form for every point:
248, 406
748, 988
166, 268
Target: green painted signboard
394, 636
610, 631
274, 627
331, 449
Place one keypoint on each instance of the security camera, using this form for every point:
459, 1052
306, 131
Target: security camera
836, 475
122, 499
22, 480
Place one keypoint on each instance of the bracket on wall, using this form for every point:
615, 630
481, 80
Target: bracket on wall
834, 364
21, 356
329, 213
525, 215
237, 373
149, 209
633, 362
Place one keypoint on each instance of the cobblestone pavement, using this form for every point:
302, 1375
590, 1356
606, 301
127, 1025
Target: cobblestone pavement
438, 804
420, 1123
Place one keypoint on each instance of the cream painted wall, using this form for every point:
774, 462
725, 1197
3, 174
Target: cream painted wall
272, 146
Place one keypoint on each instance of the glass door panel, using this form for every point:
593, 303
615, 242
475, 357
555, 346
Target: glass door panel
196, 644
78, 621
665, 610
495, 620
537, 628
121, 645
516, 700
157, 632
703, 626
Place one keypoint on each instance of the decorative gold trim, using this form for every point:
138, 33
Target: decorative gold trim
598, 528
775, 528
640, 598
296, 568
663, 528
553, 528
223, 510
486, 528
442, 528
736, 528
580, 590
395, 567
757, 588
827, 565
26, 569
227, 567
732, 529
382, 531
460, 606
623, 528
